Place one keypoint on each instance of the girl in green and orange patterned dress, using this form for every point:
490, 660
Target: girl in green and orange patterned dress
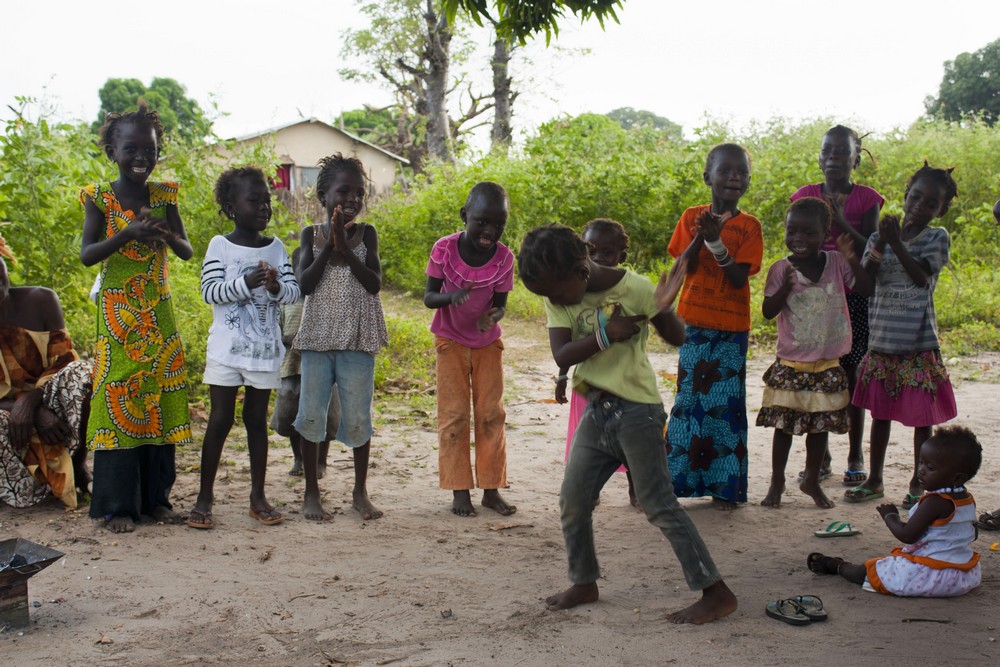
138, 411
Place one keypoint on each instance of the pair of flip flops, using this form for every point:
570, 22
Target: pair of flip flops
797, 610
837, 529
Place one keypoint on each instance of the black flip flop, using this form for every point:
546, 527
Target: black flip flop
787, 611
811, 607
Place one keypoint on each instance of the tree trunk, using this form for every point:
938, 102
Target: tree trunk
438, 42
503, 98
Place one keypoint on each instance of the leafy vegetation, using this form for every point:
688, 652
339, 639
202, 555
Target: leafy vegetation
589, 166
179, 113
570, 171
969, 87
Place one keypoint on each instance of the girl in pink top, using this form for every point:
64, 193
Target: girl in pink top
469, 275
855, 215
805, 390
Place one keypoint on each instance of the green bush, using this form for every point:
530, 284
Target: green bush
580, 168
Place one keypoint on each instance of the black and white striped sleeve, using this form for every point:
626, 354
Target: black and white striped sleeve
215, 289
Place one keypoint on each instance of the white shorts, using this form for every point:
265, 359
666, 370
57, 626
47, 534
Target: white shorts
222, 375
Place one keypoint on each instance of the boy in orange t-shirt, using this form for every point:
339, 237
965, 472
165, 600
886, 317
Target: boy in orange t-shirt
707, 431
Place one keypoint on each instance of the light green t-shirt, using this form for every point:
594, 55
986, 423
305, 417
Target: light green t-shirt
623, 369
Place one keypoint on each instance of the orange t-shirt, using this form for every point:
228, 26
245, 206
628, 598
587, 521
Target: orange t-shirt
708, 299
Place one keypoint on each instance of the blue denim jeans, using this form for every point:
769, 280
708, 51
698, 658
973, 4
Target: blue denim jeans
352, 374
615, 431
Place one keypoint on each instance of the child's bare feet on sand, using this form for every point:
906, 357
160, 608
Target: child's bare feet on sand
572, 596
493, 500
814, 491
312, 509
364, 506
462, 504
724, 505
120, 524
296, 470
716, 601
773, 497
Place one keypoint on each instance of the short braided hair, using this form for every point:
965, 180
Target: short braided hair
334, 164
938, 176
114, 121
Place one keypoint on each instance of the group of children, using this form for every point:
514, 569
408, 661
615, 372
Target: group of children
320, 353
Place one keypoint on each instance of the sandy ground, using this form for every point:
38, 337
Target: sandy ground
424, 587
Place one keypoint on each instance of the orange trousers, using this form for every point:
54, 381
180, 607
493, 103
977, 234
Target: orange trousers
476, 373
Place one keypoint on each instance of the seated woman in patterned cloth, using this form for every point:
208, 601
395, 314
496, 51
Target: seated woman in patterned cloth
44, 392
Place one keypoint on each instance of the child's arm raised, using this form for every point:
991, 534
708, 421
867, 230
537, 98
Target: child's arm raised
930, 509
311, 266
94, 250
710, 228
667, 323
775, 302
176, 236
862, 281
889, 233
368, 272
216, 289
435, 298
568, 352
281, 283
494, 314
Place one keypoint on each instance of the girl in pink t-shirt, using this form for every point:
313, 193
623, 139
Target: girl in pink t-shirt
806, 389
469, 275
855, 210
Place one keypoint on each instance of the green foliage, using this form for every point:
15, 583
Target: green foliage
517, 20
630, 119
178, 113
408, 362
580, 168
42, 169
969, 87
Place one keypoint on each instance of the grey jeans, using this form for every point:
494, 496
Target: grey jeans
614, 431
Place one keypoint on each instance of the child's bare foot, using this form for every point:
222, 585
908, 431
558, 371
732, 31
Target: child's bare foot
815, 492
320, 471
120, 524
572, 596
364, 506
724, 505
716, 602
296, 470
493, 500
312, 509
773, 497
161, 514
462, 504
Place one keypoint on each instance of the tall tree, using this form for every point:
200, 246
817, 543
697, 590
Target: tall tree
970, 87
178, 112
517, 20
503, 96
410, 47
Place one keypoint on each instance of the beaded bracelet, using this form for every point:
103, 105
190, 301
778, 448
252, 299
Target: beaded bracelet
717, 248
725, 261
561, 378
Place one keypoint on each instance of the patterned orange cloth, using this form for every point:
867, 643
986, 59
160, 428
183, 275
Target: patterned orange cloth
28, 360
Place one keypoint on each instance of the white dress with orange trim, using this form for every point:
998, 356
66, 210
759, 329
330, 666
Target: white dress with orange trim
941, 564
